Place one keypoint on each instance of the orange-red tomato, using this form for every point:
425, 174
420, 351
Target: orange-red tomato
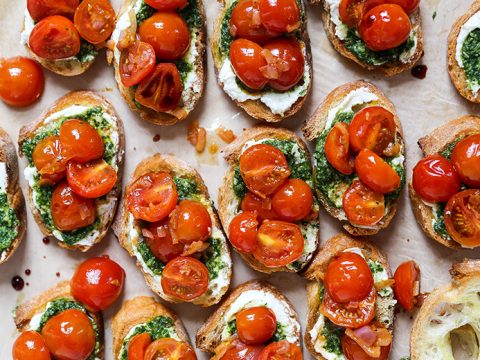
247, 60
55, 37
80, 141
362, 205
256, 325
69, 335
466, 159
169, 349
49, 160
281, 350
30, 346
462, 218
167, 5
243, 230
293, 201
97, 283
263, 207
245, 22
408, 5
185, 278
39, 9
407, 279
353, 351
21, 81
190, 222
136, 63
95, 20
137, 347
91, 180
376, 173
161, 243
351, 12
337, 149
236, 350
279, 16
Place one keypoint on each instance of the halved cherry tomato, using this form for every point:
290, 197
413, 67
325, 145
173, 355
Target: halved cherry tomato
385, 27
264, 169
55, 37
337, 149
30, 346
247, 60
263, 207
95, 20
246, 23
21, 81
137, 346
362, 205
243, 230
136, 63
353, 351
169, 349
281, 350
256, 325
279, 243
39, 9
91, 180
435, 179
152, 197
161, 243
408, 5
48, 157
376, 173
351, 12
80, 141
69, 335
293, 201
190, 222
466, 159
407, 284
279, 16
185, 278
97, 283
236, 350
167, 5
462, 218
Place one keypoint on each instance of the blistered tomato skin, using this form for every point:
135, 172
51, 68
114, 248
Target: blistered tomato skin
293, 201
39, 9
247, 59
376, 173
95, 20
279, 16
243, 230
245, 22
466, 159
406, 287
30, 346
190, 222
256, 325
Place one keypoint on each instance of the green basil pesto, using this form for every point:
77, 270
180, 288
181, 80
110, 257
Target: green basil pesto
8, 224
87, 52
333, 337
186, 188
439, 224
213, 258
144, 13
471, 57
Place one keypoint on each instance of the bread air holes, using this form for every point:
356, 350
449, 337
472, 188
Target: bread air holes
465, 343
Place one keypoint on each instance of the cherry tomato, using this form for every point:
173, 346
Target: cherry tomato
21, 81
152, 197
279, 16
71, 211
243, 230
161, 243
136, 63
247, 60
281, 350
351, 12
385, 27
39, 9
30, 346
91, 180
169, 349
435, 179
48, 158
97, 283
279, 243
81, 141
55, 37
353, 351
236, 350
69, 335
190, 222
264, 169
256, 325
363, 206
293, 201
466, 159
408, 5
263, 207
137, 346
167, 5
407, 278
245, 22
376, 173
95, 20
462, 218
185, 278
337, 149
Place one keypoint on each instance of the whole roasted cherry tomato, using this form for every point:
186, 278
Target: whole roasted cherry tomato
167, 5
351, 12
243, 230
293, 201
337, 149
246, 23
49, 160
91, 180
97, 283
462, 218
362, 205
137, 346
435, 179
279, 16
466, 159
247, 60
407, 284
30, 346
21, 81
136, 63
161, 243
169, 349
55, 37
39, 9
281, 350
80, 141
236, 350
190, 222
185, 278
408, 5
263, 207
95, 20
256, 325
376, 173
353, 351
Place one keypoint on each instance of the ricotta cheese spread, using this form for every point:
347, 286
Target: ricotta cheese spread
471, 24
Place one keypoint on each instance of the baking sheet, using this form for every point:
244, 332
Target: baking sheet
421, 104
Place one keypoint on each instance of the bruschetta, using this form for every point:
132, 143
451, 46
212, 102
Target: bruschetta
75, 154
267, 202
356, 121
158, 45
350, 301
261, 51
168, 223
445, 187
255, 321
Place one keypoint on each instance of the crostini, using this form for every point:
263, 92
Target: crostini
256, 320
158, 45
75, 154
261, 51
350, 301
445, 187
356, 120
168, 223
267, 202
65, 36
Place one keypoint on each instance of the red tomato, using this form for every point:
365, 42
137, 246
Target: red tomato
385, 27
21, 81
161, 242
167, 5
243, 230
293, 201
281, 350
264, 169
245, 22
351, 12
55, 37
236, 350
337, 149
462, 218
39, 9
97, 283
80, 141
256, 325
190, 222
247, 60
263, 207
408, 5
137, 347
152, 197
95, 20
69, 335
279, 243
91, 180
466, 159
435, 179
48, 158
279, 16
136, 63
30, 346
376, 173
353, 351
185, 278
362, 205
168, 33
407, 284
169, 349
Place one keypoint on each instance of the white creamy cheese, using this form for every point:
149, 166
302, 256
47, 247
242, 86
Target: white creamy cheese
471, 24
3, 177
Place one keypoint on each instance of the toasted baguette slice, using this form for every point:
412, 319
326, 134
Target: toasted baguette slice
250, 294
128, 232
196, 57
229, 204
448, 319
27, 316
436, 142
15, 203
343, 96
70, 106
255, 107
137, 312
314, 334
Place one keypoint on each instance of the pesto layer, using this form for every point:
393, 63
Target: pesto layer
471, 57
8, 223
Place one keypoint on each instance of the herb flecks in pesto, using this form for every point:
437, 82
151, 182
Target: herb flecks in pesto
226, 37
8, 223
333, 336
186, 188
213, 258
439, 224
239, 187
471, 57
191, 14
154, 264
87, 52
144, 13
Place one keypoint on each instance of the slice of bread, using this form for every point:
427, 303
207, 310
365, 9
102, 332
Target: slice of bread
314, 336
228, 203
127, 229
436, 142
192, 92
317, 123
212, 333
71, 105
